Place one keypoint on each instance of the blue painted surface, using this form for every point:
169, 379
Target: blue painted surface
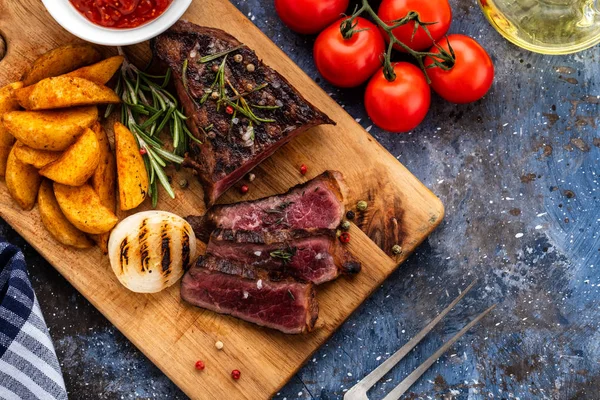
517, 172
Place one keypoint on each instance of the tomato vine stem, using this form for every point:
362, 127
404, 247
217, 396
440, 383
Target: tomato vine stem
444, 59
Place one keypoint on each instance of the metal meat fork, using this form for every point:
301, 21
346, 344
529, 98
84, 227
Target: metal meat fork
359, 391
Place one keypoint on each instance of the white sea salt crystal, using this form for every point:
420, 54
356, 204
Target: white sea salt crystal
258, 253
519, 235
246, 294
259, 284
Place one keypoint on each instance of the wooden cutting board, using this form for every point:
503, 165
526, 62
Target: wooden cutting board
173, 334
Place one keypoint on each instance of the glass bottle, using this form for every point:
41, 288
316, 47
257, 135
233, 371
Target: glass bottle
546, 26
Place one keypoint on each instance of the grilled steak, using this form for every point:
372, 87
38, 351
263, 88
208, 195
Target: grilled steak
308, 255
315, 204
240, 109
216, 285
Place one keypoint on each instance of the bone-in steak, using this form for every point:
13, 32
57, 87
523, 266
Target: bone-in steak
225, 287
240, 109
318, 203
308, 255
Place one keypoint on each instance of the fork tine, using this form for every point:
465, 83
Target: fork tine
416, 374
368, 381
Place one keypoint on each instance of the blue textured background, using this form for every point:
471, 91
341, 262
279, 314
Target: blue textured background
517, 172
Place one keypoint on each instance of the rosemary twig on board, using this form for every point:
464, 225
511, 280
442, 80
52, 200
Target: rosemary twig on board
147, 109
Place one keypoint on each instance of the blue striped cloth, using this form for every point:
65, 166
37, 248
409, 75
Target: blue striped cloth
29, 368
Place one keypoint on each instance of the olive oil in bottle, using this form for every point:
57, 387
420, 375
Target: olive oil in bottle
546, 26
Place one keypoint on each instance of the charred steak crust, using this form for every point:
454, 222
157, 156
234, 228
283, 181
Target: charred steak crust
230, 149
328, 189
286, 305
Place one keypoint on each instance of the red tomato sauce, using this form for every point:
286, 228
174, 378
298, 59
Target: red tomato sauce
121, 14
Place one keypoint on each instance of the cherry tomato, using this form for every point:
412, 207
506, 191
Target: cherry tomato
309, 16
437, 11
401, 105
349, 62
471, 76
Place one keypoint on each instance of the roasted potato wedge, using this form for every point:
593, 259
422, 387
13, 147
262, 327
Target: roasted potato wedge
8, 102
131, 170
104, 181
81, 206
64, 91
22, 181
55, 221
60, 61
78, 163
37, 158
100, 72
49, 130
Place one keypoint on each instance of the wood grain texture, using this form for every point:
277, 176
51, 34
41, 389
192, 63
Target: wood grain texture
173, 334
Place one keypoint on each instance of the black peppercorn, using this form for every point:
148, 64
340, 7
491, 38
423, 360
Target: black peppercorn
350, 214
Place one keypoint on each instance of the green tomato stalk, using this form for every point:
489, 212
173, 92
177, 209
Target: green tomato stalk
444, 59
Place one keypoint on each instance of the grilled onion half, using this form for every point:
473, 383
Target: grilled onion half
149, 251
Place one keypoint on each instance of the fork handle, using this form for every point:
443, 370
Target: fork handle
388, 364
416, 374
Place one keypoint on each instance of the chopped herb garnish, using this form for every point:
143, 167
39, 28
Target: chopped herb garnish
285, 205
289, 292
272, 211
285, 255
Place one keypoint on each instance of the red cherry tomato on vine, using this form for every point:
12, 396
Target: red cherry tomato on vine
471, 76
437, 11
309, 16
401, 105
349, 62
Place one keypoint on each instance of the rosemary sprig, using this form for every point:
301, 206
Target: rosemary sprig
147, 108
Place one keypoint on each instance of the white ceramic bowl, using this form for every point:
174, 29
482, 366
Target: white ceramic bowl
69, 18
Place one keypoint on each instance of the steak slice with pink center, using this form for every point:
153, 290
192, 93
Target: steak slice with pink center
316, 204
308, 255
225, 287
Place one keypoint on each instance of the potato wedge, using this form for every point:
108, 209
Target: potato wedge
131, 170
104, 181
49, 130
55, 221
82, 207
37, 158
22, 181
64, 91
60, 61
8, 102
100, 72
78, 163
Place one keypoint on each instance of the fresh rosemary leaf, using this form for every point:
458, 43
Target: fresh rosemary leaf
146, 109
205, 59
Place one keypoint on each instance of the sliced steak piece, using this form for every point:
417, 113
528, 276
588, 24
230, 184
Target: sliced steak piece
254, 110
308, 255
218, 285
318, 203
